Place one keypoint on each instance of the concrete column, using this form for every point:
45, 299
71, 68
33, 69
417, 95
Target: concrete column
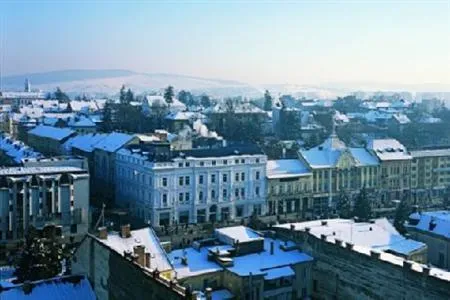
13, 214
25, 206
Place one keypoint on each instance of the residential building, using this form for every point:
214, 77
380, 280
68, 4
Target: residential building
105, 159
365, 261
48, 139
395, 168
13, 152
430, 175
40, 195
244, 264
168, 187
433, 229
289, 187
130, 264
338, 169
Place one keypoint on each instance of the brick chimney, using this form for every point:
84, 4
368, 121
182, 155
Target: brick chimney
125, 231
139, 252
208, 293
102, 233
147, 259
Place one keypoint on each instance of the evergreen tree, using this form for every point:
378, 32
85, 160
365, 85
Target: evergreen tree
108, 116
183, 96
41, 258
268, 102
402, 213
362, 209
129, 97
343, 206
289, 126
205, 101
168, 95
122, 95
61, 96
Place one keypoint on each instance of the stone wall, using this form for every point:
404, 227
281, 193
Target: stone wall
114, 277
343, 273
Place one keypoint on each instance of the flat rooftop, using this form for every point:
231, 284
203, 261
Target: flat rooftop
274, 265
380, 235
38, 170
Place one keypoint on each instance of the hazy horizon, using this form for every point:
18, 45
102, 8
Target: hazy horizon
405, 42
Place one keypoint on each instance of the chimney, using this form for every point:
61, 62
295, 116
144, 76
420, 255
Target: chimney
139, 252
349, 246
425, 270
102, 233
271, 247
323, 237
374, 254
208, 293
125, 231
338, 242
407, 264
324, 223
147, 259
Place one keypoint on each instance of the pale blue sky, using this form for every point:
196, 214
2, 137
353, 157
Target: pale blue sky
253, 41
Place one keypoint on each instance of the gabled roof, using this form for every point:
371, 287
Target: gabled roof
146, 237
435, 222
286, 168
113, 142
51, 132
389, 149
85, 142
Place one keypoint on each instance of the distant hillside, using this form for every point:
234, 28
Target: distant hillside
108, 82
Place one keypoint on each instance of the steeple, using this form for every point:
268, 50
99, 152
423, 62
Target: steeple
27, 86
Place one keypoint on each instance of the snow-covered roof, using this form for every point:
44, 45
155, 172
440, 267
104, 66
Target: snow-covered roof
389, 149
319, 158
51, 132
230, 235
380, 235
363, 157
279, 273
401, 118
431, 153
184, 116
239, 108
113, 142
54, 288
146, 237
81, 121
436, 222
430, 120
17, 150
160, 101
78, 105
22, 95
38, 170
261, 263
85, 142
286, 168
340, 117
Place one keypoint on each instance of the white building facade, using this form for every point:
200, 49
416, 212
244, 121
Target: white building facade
39, 196
195, 186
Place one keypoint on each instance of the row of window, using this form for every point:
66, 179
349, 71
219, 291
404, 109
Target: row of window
184, 198
215, 162
186, 180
